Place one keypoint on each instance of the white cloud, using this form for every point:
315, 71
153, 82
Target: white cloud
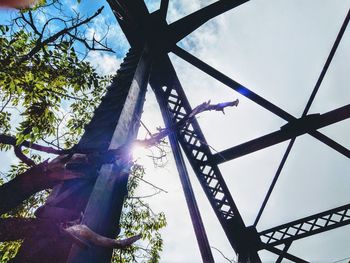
103, 62
277, 49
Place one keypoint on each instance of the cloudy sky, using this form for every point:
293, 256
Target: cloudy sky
277, 49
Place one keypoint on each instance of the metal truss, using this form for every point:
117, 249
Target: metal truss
291, 130
171, 95
153, 29
111, 126
305, 227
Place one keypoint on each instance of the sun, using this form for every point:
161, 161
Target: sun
139, 152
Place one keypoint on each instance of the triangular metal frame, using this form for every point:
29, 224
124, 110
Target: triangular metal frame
116, 122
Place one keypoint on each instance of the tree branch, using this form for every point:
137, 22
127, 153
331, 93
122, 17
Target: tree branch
206, 106
40, 177
42, 43
12, 229
10, 140
84, 233
45, 175
223, 255
20, 155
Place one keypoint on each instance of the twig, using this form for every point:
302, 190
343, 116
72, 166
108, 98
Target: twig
147, 182
145, 196
222, 254
206, 106
6, 103
41, 43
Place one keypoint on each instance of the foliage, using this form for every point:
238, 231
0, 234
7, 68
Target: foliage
40, 78
9, 249
138, 217
48, 92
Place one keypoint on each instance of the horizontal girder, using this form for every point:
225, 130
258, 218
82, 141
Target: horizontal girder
254, 97
289, 131
305, 227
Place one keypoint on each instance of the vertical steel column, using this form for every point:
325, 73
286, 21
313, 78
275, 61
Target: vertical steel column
118, 108
196, 218
103, 210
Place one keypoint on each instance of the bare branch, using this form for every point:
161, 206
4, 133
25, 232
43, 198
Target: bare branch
206, 106
91, 47
147, 182
10, 140
42, 43
223, 255
145, 196
6, 103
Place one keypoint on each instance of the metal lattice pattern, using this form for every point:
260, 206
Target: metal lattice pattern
197, 149
307, 226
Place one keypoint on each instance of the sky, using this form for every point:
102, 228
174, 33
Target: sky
276, 48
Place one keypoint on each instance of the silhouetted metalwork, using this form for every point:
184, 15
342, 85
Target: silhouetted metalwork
307, 226
195, 215
115, 122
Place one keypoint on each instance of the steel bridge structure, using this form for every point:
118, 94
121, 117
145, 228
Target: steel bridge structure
99, 196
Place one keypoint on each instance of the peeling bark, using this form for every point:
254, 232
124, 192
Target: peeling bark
40, 177
84, 233
12, 229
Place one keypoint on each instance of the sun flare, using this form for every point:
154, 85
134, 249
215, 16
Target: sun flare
139, 152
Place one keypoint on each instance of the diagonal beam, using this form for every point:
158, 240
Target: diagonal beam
305, 227
291, 130
286, 255
321, 137
284, 251
327, 63
231, 83
130, 15
163, 8
195, 215
185, 26
253, 96
169, 91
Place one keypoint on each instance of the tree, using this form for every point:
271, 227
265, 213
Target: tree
48, 93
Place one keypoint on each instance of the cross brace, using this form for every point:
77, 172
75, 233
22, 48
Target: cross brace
305, 227
191, 138
288, 131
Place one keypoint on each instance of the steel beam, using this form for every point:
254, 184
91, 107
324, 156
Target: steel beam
195, 215
286, 255
109, 127
163, 9
284, 251
186, 25
104, 208
192, 140
253, 96
305, 227
289, 131
131, 16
